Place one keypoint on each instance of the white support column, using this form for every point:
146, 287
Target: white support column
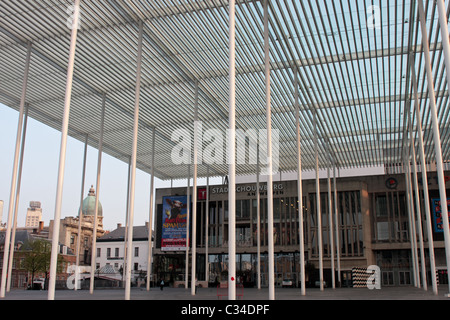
434, 117
207, 228
133, 163
299, 186
97, 192
14, 174
16, 205
62, 156
258, 222
125, 242
414, 227
80, 214
411, 223
151, 213
418, 208
330, 225
426, 195
194, 195
188, 222
232, 155
336, 224
318, 208
270, 233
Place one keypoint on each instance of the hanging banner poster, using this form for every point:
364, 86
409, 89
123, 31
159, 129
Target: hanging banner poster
174, 223
437, 214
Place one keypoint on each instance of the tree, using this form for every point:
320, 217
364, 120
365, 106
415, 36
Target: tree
36, 257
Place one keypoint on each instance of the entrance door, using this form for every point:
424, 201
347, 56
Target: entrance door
346, 277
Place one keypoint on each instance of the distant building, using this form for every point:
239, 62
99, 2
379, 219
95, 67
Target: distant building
68, 234
34, 215
110, 251
20, 277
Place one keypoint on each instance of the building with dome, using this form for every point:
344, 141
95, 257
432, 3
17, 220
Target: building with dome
68, 234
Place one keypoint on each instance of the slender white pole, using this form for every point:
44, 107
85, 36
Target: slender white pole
318, 208
133, 163
413, 225
258, 223
80, 214
330, 222
426, 195
62, 157
408, 204
336, 222
194, 195
97, 194
269, 156
15, 169
443, 23
125, 239
16, 205
418, 209
232, 155
188, 219
434, 118
299, 186
150, 219
207, 228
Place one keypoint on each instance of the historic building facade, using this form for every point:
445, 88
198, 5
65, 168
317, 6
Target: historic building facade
68, 234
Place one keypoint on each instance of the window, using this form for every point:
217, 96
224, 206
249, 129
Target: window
381, 206
382, 231
108, 252
136, 266
99, 251
389, 216
136, 252
405, 277
388, 278
116, 252
72, 239
351, 239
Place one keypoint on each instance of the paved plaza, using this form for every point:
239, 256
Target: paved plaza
179, 294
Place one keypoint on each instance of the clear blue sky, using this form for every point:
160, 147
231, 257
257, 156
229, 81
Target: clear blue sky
40, 170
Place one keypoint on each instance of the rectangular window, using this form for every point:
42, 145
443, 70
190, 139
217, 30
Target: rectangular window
99, 251
387, 278
116, 252
350, 221
136, 252
390, 223
404, 278
108, 252
381, 206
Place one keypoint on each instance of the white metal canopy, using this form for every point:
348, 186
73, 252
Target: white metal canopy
353, 77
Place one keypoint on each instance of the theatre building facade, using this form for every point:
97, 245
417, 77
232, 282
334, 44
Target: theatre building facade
373, 229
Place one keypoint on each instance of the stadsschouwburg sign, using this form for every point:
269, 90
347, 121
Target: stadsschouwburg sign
246, 188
